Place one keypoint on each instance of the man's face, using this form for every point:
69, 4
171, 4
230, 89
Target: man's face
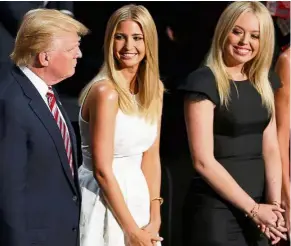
63, 56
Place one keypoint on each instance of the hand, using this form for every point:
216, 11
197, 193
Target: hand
267, 217
140, 238
152, 228
286, 206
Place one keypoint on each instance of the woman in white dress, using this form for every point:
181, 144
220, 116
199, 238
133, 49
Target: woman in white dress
120, 129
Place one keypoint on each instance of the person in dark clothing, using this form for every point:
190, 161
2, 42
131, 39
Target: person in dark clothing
229, 114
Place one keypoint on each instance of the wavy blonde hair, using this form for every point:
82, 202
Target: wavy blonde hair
150, 87
258, 68
37, 31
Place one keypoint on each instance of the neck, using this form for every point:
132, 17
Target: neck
130, 74
236, 72
44, 75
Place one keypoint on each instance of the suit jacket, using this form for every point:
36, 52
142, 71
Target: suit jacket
39, 198
11, 14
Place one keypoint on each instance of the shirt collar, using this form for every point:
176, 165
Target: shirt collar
38, 83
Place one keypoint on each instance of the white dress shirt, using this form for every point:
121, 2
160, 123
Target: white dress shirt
40, 85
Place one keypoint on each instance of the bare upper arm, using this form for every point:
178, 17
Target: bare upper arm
270, 137
282, 68
199, 123
282, 95
102, 106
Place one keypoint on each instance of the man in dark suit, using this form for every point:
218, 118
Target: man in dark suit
39, 191
11, 14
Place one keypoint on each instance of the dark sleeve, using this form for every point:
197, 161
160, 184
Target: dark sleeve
201, 85
275, 81
13, 165
11, 13
65, 6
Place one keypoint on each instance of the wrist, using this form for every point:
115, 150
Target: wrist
130, 229
155, 210
276, 203
252, 211
155, 220
285, 195
248, 207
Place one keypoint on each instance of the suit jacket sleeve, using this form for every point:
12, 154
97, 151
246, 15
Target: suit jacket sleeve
66, 7
13, 168
11, 13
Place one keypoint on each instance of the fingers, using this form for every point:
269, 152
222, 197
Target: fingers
156, 238
280, 221
287, 219
274, 239
262, 228
267, 232
276, 208
277, 233
282, 229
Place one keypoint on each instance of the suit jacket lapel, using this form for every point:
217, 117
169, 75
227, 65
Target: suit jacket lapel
43, 113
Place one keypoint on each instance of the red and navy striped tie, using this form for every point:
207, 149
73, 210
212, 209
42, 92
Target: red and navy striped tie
61, 124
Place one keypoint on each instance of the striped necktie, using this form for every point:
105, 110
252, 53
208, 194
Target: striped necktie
61, 124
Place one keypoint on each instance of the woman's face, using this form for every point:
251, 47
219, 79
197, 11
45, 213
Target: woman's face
129, 46
243, 42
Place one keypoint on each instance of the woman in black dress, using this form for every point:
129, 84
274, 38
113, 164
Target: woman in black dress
229, 111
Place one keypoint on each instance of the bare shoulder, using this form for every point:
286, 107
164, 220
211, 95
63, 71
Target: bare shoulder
284, 58
103, 91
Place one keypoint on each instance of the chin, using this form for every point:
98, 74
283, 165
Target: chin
129, 64
72, 72
241, 60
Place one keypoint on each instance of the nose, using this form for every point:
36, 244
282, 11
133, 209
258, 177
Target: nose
79, 53
244, 39
128, 43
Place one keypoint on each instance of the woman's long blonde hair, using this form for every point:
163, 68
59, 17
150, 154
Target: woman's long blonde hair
150, 87
258, 68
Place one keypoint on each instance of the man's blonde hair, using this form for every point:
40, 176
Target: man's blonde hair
37, 31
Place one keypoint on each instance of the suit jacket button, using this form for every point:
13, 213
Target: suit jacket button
75, 198
74, 229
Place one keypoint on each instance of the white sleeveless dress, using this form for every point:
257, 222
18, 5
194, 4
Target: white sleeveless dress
98, 226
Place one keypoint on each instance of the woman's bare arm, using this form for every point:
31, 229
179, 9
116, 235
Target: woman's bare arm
199, 122
151, 167
103, 105
273, 168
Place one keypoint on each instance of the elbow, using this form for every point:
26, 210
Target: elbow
202, 164
103, 175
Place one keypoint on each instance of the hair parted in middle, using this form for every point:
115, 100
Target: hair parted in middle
258, 68
150, 87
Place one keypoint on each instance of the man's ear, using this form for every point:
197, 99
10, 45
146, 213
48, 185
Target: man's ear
43, 58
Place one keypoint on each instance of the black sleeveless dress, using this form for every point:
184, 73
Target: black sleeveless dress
208, 219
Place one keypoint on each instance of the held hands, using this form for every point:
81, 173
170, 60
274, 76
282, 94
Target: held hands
153, 229
270, 220
286, 206
140, 237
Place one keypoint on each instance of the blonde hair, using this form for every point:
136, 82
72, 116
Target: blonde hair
258, 68
37, 31
150, 87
